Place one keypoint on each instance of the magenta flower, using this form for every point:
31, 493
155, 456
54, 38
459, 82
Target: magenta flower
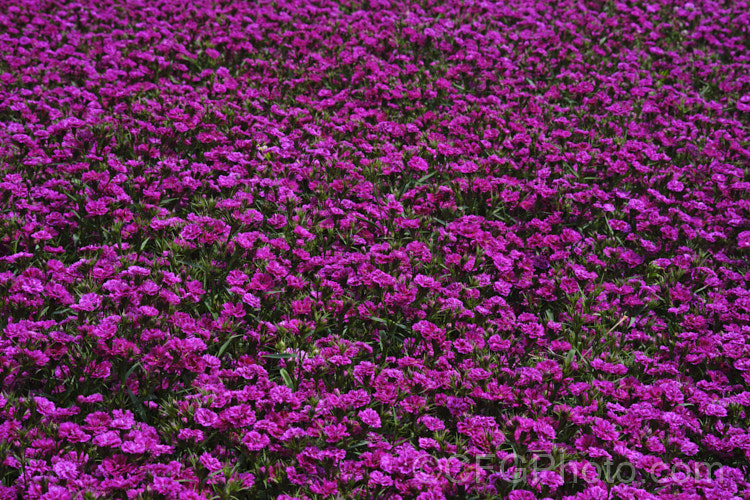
206, 417
370, 417
88, 302
98, 207
109, 439
42, 235
251, 300
432, 423
123, 420
381, 278
234, 310
66, 469
191, 232
377, 478
426, 282
210, 463
418, 164
133, 447
254, 441
277, 221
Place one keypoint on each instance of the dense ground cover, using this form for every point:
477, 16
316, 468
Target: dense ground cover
385, 249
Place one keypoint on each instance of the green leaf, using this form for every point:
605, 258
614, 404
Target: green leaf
279, 356
225, 345
287, 378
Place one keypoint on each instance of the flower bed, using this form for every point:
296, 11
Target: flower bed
384, 249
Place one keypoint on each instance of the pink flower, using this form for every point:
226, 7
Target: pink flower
418, 164
251, 300
246, 240
42, 235
497, 343
432, 423
370, 417
148, 311
65, 469
277, 221
97, 421
714, 410
335, 432
521, 495
44, 406
133, 447
377, 478
548, 478
97, 207
210, 463
195, 287
109, 438
381, 278
429, 331
583, 158
166, 486
190, 232
676, 186
255, 441
122, 419
234, 310
56, 493
72, 433
190, 434
261, 281
582, 88
236, 278
138, 271
88, 302
206, 417
605, 430
426, 282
